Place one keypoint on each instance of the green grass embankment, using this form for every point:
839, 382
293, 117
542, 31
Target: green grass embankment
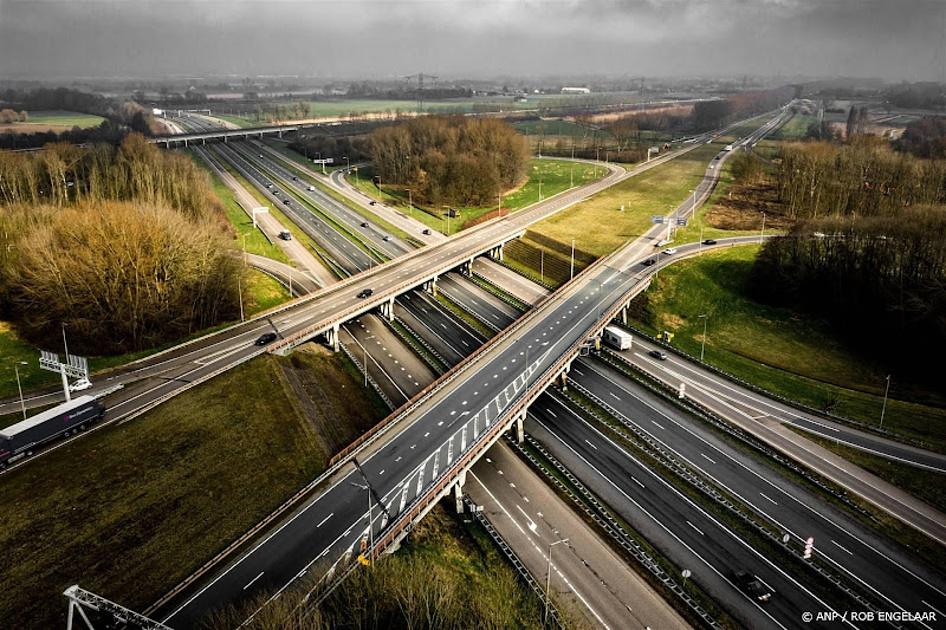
781, 350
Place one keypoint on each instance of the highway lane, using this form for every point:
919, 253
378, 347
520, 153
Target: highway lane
348, 257
880, 567
371, 234
488, 308
452, 340
269, 225
585, 572
336, 180
686, 534
748, 401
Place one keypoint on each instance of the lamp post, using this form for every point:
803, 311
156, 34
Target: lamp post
571, 272
370, 532
762, 233
548, 576
19, 387
883, 410
705, 318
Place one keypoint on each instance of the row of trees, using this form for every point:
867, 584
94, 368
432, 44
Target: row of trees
134, 171
925, 138
8, 116
882, 277
450, 160
864, 177
126, 246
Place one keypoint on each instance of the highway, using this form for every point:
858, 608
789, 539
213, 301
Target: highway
884, 570
411, 456
730, 396
684, 531
585, 572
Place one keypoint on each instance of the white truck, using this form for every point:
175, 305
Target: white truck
617, 338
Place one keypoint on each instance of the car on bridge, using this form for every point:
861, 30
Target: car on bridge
670, 251
266, 338
650, 262
658, 354
364, 293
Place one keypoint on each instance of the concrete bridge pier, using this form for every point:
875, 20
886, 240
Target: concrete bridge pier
497, 252
331, 338
431, 286
387, 310
458, 491
564, 376
624, 314
467, 267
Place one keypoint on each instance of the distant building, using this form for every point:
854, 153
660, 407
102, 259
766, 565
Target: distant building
575, 90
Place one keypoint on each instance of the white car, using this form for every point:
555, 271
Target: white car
670, 251
81, 384
312, 189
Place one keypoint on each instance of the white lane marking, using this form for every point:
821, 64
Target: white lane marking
634, 479
707, 458
696, 529
657, 424
933, 608
592, 445
322, 522
615, 396
768, 498
250, 583
847, 551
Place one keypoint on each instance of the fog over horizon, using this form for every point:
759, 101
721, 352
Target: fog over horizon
56, 39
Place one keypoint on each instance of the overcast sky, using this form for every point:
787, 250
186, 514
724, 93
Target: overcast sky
475, 38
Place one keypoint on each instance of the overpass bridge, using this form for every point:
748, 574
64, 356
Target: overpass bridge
201, 137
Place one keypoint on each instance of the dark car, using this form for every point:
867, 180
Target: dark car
294, 178
266, 338
658, 354
649, 262
709, 241
372, 203
425, 231
287, 201
753, 586
365, 293
364, 224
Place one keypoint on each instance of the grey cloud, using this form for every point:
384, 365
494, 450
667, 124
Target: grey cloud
892, 38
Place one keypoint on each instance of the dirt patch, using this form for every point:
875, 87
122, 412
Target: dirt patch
742, 209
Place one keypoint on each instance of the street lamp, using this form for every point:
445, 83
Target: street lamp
883, 410
367, 490
19, 387
347, 163
762, 234
705, 318
548, 576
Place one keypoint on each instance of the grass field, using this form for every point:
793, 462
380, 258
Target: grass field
556, 176
779, 349
254, 239
52, 120
599, 226
795, 128
129, 511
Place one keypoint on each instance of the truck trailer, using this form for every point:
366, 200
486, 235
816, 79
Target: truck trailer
617, 338
21, 439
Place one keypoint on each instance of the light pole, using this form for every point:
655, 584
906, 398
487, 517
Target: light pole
410, 201
762, 233
571, 272
548, 576
65, 344
367, 490
347, 164
540, 189
240, 292
883, 410
705, 318
16, 368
